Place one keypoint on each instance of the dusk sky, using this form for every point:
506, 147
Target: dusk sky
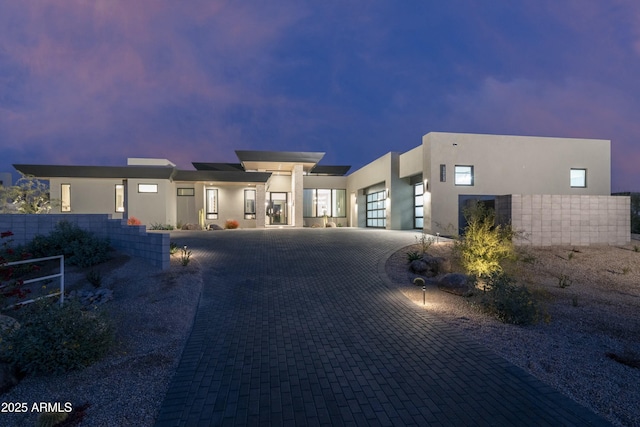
92, 82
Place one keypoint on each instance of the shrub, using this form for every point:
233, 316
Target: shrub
508, 302
78, 246
95, 278
54, 339
158, 226
425, 241
484, 245
231, 224
132, 220
413, 256
173, 247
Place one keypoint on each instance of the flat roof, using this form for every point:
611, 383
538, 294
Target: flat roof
201, 166
222, 176
278, 160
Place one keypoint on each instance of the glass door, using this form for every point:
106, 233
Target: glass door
277, 210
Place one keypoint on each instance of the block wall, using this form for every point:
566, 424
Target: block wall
575, 220
132, 240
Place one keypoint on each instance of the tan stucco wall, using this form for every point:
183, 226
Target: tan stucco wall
509, 165
90, 196
152, 208
411, 162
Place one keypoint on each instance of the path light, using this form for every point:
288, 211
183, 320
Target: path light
420, 281
424, 295
437, 237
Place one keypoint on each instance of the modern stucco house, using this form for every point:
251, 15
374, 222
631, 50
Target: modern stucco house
423, 188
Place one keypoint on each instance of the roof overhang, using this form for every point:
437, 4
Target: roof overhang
278, 160
239, 177
119, 172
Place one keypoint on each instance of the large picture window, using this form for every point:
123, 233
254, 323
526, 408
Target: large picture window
463, 175
578, 178
318, 202
65, 196
212, 203
249, 204
377, 209
119, 198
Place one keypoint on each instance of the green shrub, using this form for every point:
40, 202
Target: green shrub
509, 302
173, 247
78, 246
95, 278
54, 339
158, 226
413, 256
425, 241
484, 245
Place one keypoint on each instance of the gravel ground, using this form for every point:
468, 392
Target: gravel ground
153, 312
598, 313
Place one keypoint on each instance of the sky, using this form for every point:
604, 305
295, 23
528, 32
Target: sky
92, 82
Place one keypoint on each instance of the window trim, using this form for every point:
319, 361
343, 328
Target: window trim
63, 207
584, 184
455, 175
443, 173
117, 208
331, 203
379, 220
147, 188
415, 205
213, 213
250, 213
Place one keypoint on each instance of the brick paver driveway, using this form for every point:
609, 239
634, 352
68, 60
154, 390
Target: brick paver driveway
298, 327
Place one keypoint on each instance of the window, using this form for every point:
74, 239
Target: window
463, 175
418, 206
147, 188
212, 203
377, 209
119, 198
249, 204
186, 191
319, 202
443, 173
578, 178
65, 196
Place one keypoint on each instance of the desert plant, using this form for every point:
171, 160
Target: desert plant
28, 196
570, 256
425, 241
55, 339
636, 248
564, 281
51, 419
484, 245
509, 302
413, 256
159, 226
231, 224
626, 270
574, 300
78, 246
185, 256
132, 220
173, 247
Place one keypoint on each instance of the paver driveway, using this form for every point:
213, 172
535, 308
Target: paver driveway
298, 327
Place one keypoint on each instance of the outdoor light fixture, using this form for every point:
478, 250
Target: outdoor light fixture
437, 237
424, 295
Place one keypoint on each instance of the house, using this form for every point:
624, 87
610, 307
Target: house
425, 188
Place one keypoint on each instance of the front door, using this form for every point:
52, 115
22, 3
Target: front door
277, 210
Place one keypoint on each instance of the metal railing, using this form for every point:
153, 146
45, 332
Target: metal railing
39, 279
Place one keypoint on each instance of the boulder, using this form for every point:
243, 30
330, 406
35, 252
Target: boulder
418, 266
191, 227
331, 224
455, 283
215, 227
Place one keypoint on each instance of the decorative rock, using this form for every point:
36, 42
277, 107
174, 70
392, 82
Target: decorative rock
418, 266
87, 297
455, 283
191, 227
214, 227
331, 224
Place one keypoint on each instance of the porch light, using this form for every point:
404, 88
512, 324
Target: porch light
387, 192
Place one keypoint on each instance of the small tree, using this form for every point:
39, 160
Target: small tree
484, 245
28, 196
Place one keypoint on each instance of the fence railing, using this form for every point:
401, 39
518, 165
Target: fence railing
39, 279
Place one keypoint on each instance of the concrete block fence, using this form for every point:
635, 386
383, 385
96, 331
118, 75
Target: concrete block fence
133, 240
575, 220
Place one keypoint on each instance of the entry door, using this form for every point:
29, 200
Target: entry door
277, 209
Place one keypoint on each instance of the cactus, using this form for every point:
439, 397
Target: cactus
50, 419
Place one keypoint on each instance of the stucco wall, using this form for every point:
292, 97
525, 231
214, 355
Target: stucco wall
88, 195
132, 240
509, 165
547, 220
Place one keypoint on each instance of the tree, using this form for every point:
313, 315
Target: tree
28, 196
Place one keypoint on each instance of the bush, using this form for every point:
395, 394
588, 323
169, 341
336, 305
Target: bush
78, 246
158, 226
484, 245
231, 224
132, 220
509, 302
54, 339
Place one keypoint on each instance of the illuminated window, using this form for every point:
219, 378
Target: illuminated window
65, 196
186, 191
463, 175
319, 202
119, 198
249, 204
377, 209
418, 205
578, 178
147, 188
212, 203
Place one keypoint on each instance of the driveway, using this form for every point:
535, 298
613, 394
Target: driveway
298, 327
